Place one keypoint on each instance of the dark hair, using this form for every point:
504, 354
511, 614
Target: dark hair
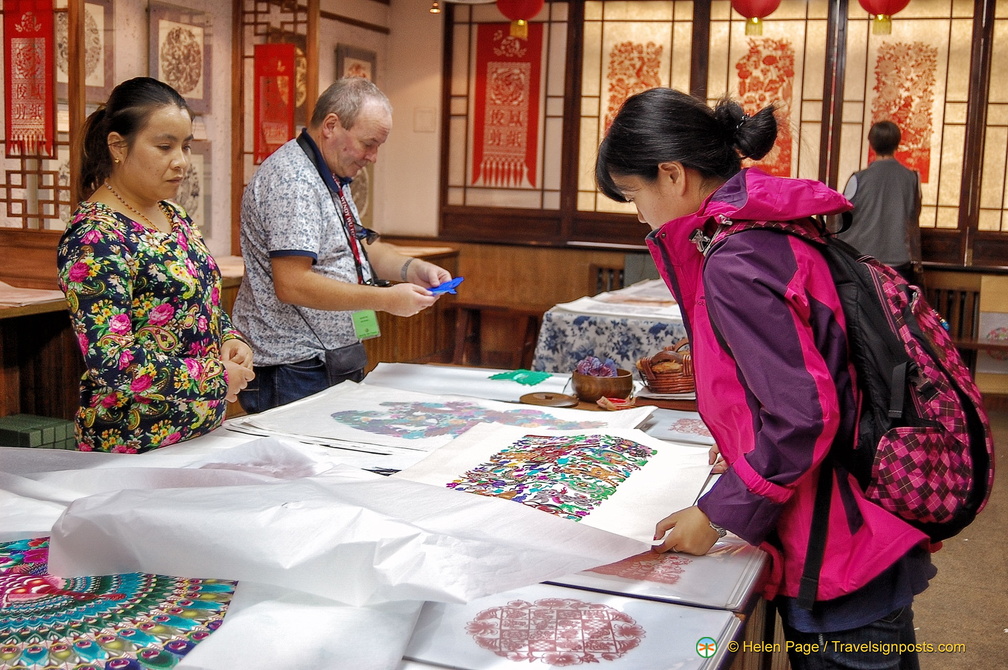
884, 137
344, 98
129, 107
661, 124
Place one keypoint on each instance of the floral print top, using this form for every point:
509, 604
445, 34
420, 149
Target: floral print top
145, 307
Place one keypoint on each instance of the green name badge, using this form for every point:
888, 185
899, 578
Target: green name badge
365, 324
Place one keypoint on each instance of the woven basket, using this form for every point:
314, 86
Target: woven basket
670, 370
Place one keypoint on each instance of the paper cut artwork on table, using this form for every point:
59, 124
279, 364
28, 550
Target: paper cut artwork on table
390, 417
564, 475
420, 420
666, 568
556, 631
545, 626
680, 426
133, 620
620, 481
724, 578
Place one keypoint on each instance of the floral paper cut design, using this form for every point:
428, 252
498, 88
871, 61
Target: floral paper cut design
766, 77
567, 476
905, 76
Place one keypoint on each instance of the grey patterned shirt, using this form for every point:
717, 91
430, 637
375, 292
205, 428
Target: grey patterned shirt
287, 210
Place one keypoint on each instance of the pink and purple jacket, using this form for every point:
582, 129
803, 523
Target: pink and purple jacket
776, 386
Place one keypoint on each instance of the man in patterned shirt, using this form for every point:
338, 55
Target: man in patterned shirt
314, 276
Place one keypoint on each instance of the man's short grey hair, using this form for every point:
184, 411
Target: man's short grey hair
344, 98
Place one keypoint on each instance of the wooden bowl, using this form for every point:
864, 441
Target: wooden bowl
589, 388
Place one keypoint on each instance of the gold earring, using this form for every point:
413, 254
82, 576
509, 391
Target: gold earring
117, 161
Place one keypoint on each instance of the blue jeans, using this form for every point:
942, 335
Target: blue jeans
276, 385
874, 646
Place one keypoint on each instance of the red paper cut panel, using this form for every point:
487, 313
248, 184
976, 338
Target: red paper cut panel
648, 566
905, 75
29, 87
506, 116
766, 76
556, 631
274, 97
633, 68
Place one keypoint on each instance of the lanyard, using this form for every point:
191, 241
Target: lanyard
336, 193
351, 230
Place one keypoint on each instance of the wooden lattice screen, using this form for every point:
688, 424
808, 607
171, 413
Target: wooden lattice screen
262, 22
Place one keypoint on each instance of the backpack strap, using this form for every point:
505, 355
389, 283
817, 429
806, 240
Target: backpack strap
809, 584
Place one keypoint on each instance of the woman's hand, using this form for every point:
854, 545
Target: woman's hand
237, 351
688, 532
238, 377
714, 458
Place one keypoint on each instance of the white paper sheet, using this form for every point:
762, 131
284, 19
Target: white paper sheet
408, 420
472, 382
556, 627
404, 540
270, 628
670, 480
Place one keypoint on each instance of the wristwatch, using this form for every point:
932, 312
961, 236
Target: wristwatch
721, 532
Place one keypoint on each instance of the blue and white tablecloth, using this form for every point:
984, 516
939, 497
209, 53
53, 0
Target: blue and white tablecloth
623, 325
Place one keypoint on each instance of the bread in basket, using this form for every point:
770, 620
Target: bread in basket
670, 370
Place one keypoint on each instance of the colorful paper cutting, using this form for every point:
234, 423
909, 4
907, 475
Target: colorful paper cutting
133, 620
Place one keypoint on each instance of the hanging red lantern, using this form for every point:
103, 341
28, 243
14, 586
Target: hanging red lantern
520, 11
755, 11
882, 11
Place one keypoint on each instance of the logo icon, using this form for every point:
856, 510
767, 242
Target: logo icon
706, 647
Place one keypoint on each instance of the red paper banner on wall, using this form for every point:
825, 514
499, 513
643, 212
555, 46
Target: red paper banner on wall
274, 97
506, 118
766, 76
905, 76
28, 78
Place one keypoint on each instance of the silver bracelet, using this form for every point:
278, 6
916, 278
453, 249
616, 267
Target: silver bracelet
405, 268
720, 531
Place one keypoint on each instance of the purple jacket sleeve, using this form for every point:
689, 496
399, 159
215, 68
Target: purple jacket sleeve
770, 297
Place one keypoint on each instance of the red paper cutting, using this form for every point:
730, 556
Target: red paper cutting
633, 67
506, 118
766, 76
648, 566
556, 631
28, 78
274, 97
905, 75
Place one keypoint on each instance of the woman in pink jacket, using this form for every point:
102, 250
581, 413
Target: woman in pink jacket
774, 381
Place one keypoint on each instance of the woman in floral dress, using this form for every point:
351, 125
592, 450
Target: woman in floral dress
143, 290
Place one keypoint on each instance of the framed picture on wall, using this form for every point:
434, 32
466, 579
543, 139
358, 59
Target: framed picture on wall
99, 40
354, 62
194, 193
180, 52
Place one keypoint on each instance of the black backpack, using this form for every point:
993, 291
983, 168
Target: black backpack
923, 448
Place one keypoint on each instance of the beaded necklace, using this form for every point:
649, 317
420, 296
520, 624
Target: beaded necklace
133, 209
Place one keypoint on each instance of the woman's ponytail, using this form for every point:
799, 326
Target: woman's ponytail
96, 159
